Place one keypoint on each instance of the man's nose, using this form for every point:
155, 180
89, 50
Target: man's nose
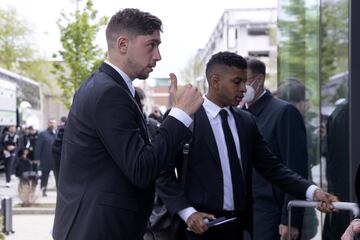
157, 55
243, 87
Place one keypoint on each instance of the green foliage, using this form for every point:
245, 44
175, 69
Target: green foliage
298, 52
80, 55
14, 35
193, 73
16, 49
310, 52
335, 38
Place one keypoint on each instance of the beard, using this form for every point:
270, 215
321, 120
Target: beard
142, 76
138, 72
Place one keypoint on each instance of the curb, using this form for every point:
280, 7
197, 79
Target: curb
33, 211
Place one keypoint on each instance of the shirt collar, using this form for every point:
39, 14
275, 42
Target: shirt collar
212, 108
124, 76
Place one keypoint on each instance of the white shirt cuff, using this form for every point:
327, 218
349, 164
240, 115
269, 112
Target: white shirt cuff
181, 116
310, 192
186, 213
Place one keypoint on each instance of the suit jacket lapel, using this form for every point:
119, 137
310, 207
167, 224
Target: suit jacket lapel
241, 129
106, 68
203, 130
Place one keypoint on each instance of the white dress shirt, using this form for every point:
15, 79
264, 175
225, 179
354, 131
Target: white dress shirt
124, 76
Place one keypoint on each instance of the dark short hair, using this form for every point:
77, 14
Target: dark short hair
133, 22
229, 59
63, 119
140, 92
291, 90
256, 66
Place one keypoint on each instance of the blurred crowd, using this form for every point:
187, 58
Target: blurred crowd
25, 152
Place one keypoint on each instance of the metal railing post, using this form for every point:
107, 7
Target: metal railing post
349, 206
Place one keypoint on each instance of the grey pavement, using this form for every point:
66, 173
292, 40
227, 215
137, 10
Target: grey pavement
30, 223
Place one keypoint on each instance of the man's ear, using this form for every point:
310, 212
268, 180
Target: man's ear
214, 81
262, 80
122, 44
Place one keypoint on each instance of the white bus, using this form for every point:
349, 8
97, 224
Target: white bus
20, 100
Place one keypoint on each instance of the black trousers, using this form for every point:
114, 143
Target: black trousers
9, 163
44, 178
232, 230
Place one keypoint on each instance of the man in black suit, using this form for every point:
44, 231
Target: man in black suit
43, 153
282, 127
108, 166
226, 144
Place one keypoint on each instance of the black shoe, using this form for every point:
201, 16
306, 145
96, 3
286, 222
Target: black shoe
44, 194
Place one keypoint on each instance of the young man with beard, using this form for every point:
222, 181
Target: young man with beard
108, 165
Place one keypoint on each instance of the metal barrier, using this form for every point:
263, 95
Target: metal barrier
348, 206
6, 211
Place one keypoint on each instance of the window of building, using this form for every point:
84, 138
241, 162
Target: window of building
258, 30
258, 53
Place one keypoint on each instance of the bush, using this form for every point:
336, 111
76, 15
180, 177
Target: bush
27, 194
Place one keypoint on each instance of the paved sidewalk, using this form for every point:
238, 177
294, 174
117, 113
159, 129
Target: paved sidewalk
30, 225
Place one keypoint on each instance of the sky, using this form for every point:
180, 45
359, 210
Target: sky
187, 24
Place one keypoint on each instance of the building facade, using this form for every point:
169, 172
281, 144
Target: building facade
250, 32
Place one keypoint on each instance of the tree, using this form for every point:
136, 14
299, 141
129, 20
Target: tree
192, 73
17, 53
80, 55
299, 41
13, 39
335, 39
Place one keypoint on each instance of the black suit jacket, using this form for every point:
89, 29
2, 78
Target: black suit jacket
43, 149
283, 128
203, 188
108, 167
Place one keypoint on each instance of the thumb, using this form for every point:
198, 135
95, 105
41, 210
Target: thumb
173, 83
208, 216
173, 88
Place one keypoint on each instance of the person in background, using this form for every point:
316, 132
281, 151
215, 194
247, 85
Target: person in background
11, 143
26, 171
156, 114
151, 124
283, 128
337, 167
62, 121
226, 145
32, 138
43, 153
293, 91
56, 147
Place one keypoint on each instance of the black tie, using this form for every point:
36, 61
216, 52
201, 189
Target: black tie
235, 168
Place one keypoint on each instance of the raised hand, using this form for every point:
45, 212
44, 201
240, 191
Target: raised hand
189, 99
